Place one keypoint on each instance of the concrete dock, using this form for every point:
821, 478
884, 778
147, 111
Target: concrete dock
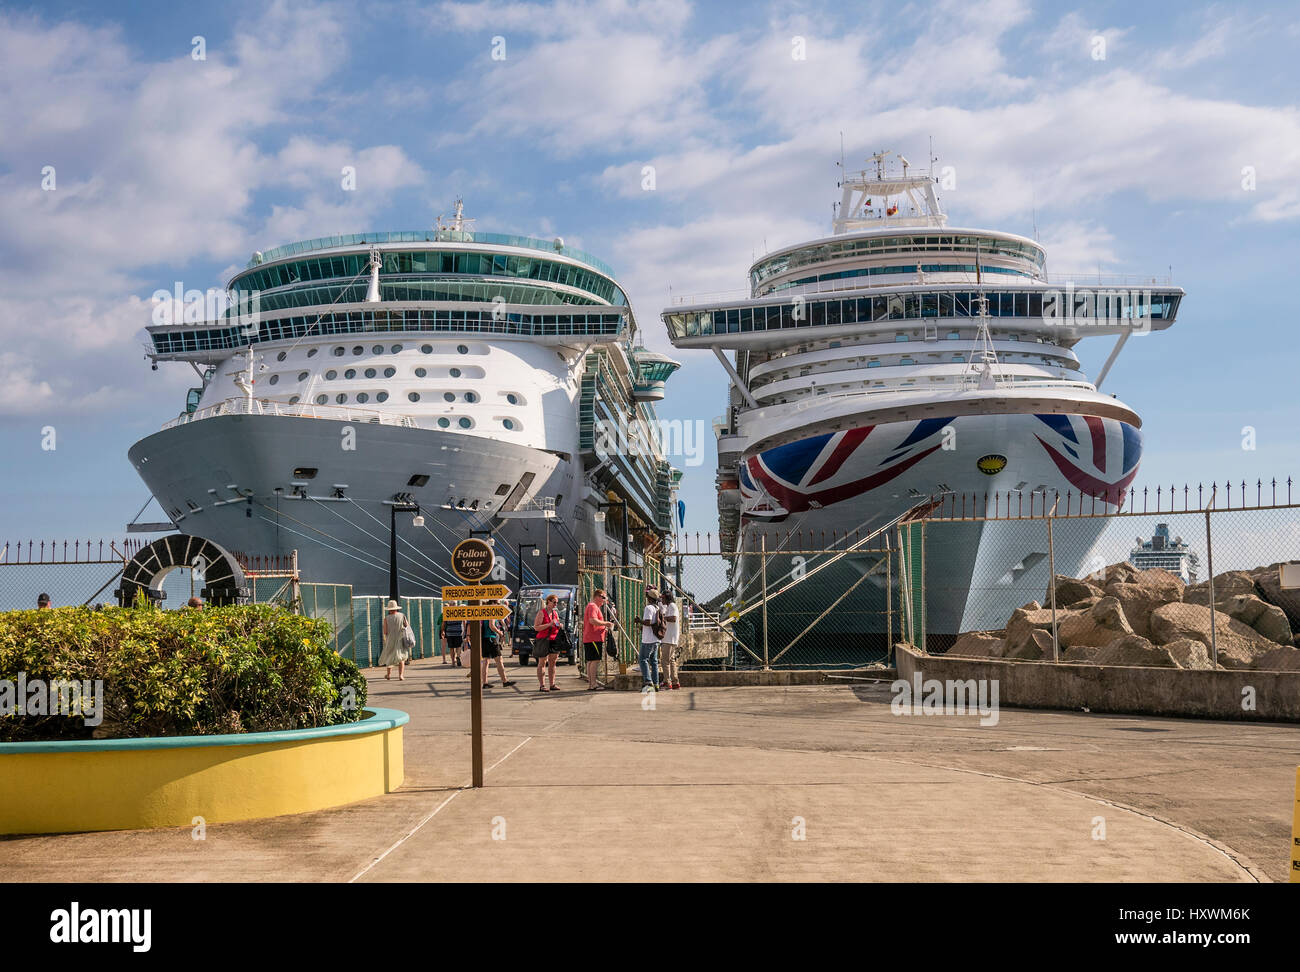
770, 783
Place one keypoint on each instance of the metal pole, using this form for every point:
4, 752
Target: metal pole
889, 602
1051, 583
476, 699
625, 560
763, 555
392, 553
295, 592
1209, 561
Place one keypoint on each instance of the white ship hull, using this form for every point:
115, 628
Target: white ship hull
344, 539
831, 490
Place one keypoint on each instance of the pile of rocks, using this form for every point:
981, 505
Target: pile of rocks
1126, 616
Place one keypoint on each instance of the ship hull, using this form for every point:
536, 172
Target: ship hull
829, 491
340, 520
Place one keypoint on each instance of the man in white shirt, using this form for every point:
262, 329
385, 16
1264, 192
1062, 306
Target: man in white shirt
648, 659
671, 614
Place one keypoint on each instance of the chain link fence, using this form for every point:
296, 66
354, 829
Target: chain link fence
1190, 588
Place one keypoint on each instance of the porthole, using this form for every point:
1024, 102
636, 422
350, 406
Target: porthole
413, 396
293, 399
465, 423
338, 352
311, 352
282, 355
358, 349
382, 397
322, 399
396, 349
378, 349
426, 349
420, 372
461, 349
275, 380
370, 372
302, 375
389, 372
455, 372
362, 397
512, 398
350, 373
471, 397
448, 397
331, 375
508, 423
341, 399
444, 423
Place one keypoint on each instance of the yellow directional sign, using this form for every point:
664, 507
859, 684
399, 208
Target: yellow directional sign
476, 592
478, 612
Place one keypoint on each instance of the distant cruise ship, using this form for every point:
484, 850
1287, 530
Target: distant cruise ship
900, 360
471, 373
1174, 555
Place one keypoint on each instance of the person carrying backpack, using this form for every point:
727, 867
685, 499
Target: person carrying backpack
652, 630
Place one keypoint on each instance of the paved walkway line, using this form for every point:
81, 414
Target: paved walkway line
411, 833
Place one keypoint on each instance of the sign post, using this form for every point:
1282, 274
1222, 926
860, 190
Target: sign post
471, 561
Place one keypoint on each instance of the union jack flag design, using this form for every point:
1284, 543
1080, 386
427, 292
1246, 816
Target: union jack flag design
809, 474
1098, 456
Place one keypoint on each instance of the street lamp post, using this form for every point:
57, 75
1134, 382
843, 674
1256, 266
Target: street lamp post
522, 548
549, 558
392, 543
620, 503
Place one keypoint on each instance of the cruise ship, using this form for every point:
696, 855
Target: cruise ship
479, 377
1168, 553
898, 361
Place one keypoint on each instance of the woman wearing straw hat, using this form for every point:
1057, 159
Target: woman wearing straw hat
395, 650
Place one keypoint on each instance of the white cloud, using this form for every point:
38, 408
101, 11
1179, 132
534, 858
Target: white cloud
156, 164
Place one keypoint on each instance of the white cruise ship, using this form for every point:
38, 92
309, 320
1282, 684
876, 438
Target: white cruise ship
471, 374
898, 361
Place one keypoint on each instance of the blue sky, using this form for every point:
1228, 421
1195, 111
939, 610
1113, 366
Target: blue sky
175, 169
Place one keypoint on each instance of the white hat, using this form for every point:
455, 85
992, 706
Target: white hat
393, 606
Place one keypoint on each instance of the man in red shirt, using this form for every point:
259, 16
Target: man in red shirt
594, 627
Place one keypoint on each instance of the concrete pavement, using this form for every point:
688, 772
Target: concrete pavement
721, 784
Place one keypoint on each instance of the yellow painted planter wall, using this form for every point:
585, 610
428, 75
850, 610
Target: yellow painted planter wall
131, 784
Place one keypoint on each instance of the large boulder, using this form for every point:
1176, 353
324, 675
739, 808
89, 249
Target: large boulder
1134, 650
1268, 580
1283, 659
1138, 601
1024, 621
1267, 619
1080, 654
1069, 591
1228, 584
1120, 573
1238, 644
1167, 582
1098, 626
1036, 647
1188, 653
978, 644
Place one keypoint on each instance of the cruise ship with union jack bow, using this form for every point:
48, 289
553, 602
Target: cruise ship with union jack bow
899, 361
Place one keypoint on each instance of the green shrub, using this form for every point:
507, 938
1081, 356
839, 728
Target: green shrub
178, 673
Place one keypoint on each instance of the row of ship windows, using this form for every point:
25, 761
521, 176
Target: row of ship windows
907, 360
421, 291
359, 349
1048, 305
898, 383
464, 422
896, 244
189, 338
469, 396
432, 261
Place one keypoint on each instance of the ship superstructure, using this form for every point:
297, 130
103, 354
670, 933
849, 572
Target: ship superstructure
1168, 553
900, 359
465, 372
